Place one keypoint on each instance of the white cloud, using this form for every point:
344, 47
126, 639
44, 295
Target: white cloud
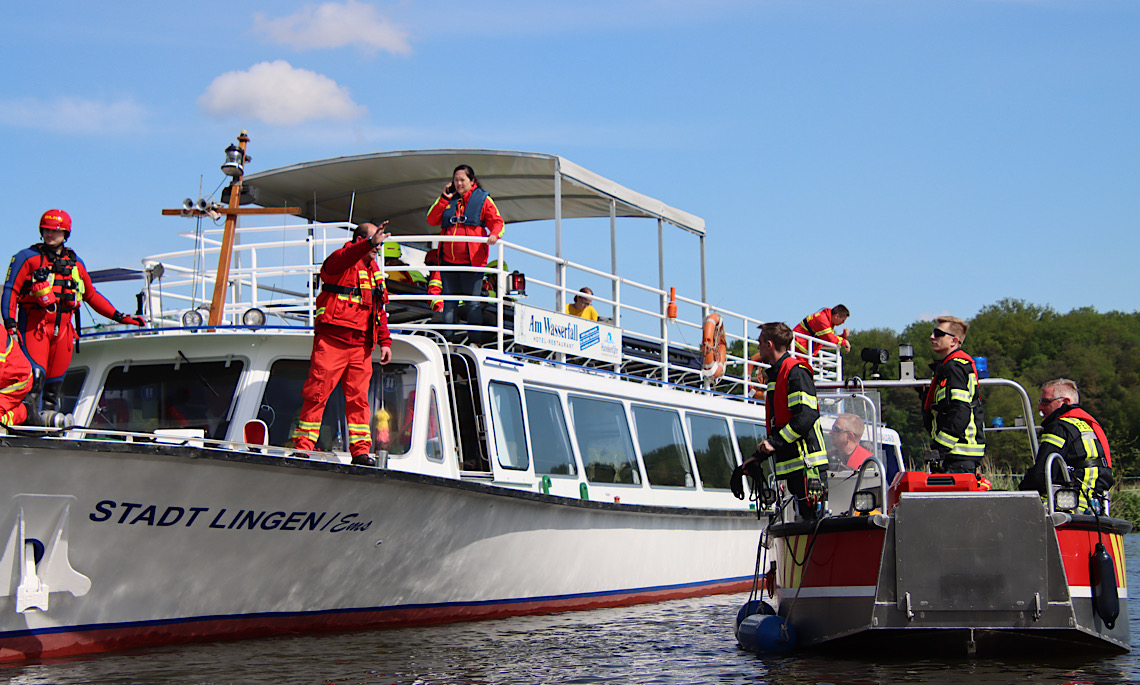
335, 25
278, 93
73, 115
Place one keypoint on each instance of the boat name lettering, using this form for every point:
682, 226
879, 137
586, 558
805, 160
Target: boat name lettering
132, 513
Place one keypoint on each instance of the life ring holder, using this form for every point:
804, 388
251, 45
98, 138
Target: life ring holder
714, 348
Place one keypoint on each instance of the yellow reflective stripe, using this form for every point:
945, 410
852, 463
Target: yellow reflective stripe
960, 395
965, 450
820, 334
320, 310
788, 434
17, 386
4, 356
945, 439
803, 398
1054, 440
785, 467
7, 418
800, 346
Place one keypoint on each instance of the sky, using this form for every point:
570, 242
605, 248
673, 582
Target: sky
907, 158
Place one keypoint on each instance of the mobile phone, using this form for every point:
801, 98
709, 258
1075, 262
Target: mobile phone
450, 189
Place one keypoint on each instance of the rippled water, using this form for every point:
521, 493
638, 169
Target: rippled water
688, 641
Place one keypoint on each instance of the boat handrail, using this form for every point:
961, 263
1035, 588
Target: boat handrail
274, 270
872, 460
1054, 456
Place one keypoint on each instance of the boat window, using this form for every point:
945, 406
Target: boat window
434, 446
143, 398
663, 448
547, 424
507, 419
69, 393
604, 441
281, 406
748, 436
712, 445
392, 399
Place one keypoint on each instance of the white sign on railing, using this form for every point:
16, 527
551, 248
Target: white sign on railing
570, 334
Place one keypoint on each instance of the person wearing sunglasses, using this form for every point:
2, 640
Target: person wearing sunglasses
845, 434
1070, 431
952, 409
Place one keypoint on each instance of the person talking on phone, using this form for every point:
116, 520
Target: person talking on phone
465, 209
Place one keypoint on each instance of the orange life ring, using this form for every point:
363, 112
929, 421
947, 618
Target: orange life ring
714, 347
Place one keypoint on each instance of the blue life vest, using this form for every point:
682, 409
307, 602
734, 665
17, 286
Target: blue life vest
472, 213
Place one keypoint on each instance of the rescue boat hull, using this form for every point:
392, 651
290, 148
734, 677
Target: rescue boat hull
959, 573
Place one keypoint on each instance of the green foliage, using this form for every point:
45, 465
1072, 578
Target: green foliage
1126, 505
1030, 344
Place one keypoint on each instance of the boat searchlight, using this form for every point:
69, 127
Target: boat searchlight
253, 317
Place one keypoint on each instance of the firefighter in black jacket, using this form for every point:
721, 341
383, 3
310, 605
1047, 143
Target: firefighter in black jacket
795, 438
952, 410
1071, 432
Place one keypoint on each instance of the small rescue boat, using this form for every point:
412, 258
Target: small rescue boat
941, 564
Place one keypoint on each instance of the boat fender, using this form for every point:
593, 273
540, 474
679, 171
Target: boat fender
714, 349
766, 633
1102, 571
752, 607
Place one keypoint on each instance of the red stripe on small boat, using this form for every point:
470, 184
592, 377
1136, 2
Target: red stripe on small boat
31, 645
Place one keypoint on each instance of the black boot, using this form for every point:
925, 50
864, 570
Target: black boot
364, 460
53, 395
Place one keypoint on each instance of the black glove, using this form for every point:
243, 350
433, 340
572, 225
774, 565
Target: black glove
120, 317
754, 471
41, 274
737, 482
10, 324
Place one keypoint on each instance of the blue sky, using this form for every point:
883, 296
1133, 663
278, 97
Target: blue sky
904, 157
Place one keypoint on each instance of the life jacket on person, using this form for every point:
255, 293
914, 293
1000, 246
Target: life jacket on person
468, 223
972, 443
1094, 471
810, 450
353, 298
61, 288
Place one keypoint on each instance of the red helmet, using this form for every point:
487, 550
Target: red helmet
56, 219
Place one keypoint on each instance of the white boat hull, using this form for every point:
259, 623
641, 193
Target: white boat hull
182, 544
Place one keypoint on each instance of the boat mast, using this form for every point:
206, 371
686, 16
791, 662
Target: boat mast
235, 167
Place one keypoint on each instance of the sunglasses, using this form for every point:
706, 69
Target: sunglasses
939, 333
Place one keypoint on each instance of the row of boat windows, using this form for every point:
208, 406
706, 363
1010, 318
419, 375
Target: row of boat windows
605, 442
145, 398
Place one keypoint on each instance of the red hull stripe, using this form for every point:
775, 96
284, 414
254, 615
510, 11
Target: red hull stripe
25, 645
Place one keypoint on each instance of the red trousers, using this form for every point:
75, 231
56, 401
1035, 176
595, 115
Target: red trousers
336, 361
50, 350
15, 381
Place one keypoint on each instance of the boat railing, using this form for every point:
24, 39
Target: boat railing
1049, 488
274, 270
872, 461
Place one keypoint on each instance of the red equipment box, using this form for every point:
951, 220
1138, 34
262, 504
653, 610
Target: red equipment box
920, 481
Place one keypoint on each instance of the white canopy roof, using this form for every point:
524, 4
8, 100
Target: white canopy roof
400, 186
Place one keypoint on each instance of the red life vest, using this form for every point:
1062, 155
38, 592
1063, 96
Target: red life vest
1078, 413
777, 414
956, 354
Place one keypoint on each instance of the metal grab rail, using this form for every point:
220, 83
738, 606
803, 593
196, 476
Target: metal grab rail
872, 460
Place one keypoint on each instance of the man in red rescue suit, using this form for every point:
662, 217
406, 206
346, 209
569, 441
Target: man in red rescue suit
795, 438
1071, 432
350, 322
465, 209
952, 409
15, 381
822, 325
45, 285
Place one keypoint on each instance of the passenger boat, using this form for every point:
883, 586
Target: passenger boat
566, 465
940, 564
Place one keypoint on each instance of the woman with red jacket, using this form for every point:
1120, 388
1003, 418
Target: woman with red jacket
464, 209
